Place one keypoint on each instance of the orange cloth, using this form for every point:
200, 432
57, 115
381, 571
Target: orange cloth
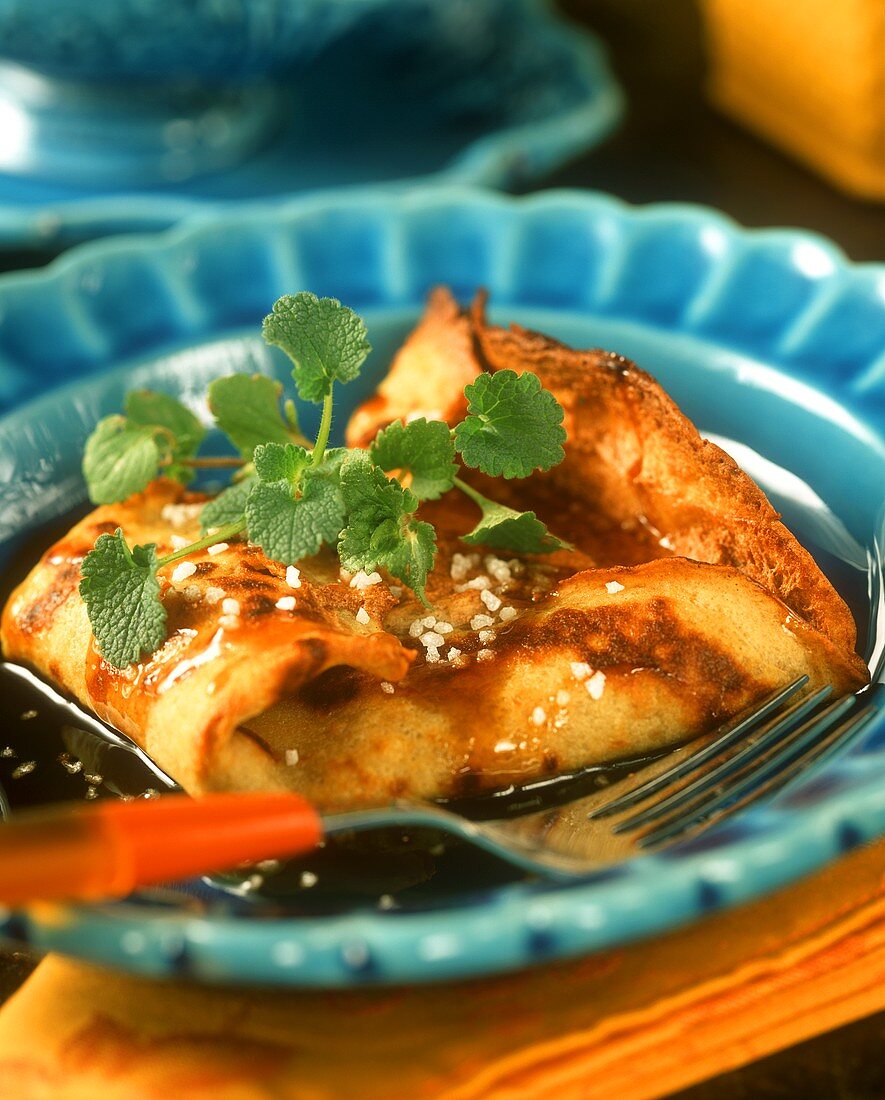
631, 1024
809, 76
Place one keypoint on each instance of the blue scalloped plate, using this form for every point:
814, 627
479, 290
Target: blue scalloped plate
771, 340
490, 92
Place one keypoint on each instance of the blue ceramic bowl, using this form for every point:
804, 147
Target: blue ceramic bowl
219, 39
770, 340
490, 92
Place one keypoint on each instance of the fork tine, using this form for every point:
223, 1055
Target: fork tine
792, 752
702, 755
720, 769
872, 700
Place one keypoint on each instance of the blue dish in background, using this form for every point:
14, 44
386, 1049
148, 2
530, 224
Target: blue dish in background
769, 340
494, 92
153, 39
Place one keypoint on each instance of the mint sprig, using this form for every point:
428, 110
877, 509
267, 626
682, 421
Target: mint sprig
121, 591
513, 426
382, 530
247, 409
120, 459
292, 496
125, 453
423, 449
506, 529
227, 507
182, 431
325, 340
295, 508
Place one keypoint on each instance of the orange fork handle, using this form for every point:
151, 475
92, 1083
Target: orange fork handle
107, 849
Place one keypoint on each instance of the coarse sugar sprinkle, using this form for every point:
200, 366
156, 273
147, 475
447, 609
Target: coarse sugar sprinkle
182, 571
479, 622
362, 579
491, 601
498, 568
462, 564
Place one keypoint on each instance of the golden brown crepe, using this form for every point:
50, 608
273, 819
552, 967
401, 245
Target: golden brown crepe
638, 482
527, 666
429, 372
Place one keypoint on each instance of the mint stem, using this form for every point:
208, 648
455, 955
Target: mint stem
323, 434
469, 491
482, 501
226, 532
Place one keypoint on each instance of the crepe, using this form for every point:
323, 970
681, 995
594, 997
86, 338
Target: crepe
528, 666
638, 482
429, 372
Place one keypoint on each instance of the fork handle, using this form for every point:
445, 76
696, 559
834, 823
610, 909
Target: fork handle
108, 849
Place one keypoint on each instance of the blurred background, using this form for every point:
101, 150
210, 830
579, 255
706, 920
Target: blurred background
675, 144
495, 92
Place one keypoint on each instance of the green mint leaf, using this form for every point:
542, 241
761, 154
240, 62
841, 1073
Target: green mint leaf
280, 462
289, 528
506, 529
513, 425
122, 595
120, 459
332, 460
227, 507
150, 409
382, 531
325, 340
422, 448
247, 409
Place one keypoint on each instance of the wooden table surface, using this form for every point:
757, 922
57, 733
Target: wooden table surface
672, 146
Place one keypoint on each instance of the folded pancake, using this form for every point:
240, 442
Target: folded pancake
220, 664
527, 666
429, 372
638, 481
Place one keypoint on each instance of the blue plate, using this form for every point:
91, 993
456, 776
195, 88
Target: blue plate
770, 340
491, 92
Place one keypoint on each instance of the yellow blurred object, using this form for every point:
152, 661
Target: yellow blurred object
633, 1023
808, 75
